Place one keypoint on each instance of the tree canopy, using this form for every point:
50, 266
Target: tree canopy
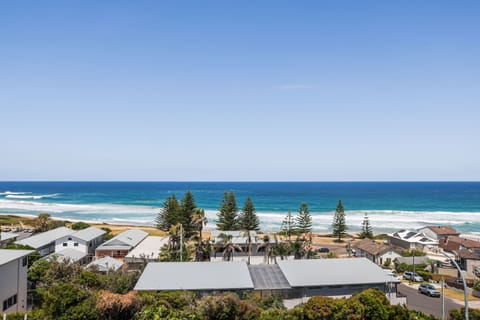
228, 213
304, 219
248, 219
339, 224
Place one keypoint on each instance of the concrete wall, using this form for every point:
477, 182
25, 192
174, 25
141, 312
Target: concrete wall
13, 280
471, 265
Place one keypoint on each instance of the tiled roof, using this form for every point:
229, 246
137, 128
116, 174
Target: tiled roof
372, 246
444, 230
467, 243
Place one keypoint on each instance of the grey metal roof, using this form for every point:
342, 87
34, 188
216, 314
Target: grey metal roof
4, 236
7, 255
234, 233
125, 240
326, 272
268, 277
45, 238
195, 276
69, 254
88, 234
106, 263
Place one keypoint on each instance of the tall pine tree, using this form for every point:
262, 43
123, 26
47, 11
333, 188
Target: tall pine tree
169, 214
228, 213
288, 226
339, 225
187, 210
248, 219
304, 219
367, 231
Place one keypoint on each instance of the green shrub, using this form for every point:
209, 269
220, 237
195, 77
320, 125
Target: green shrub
80, 225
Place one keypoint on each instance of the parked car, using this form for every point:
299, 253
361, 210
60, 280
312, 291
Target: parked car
408, 275
429, 290
326, 250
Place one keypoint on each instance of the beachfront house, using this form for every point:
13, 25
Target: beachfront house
288, 278
85, 240
146, 251
44, 242
13, 280
377, 252
439, 232
469, 261
120, 245
410, 239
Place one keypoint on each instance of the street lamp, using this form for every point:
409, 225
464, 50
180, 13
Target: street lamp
465, 289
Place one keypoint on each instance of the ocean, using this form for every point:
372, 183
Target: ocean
390, 205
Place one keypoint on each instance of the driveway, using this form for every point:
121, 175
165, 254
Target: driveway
426, 304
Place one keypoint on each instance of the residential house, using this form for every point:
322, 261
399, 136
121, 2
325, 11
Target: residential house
454, 243
105, 264
146, 251
120, 245
439, 232
288, 278
6, 237
408, 239
376, 252
469, 261
44, 242
85, 240
13, 280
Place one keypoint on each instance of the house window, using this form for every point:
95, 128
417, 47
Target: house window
64, 244
24, 261
75, 244
7, 303
69, 239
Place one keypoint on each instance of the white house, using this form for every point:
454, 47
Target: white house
147, 250
409, 239
44, 242
13, 280
86, 241
119, 246
377, 252
439, 232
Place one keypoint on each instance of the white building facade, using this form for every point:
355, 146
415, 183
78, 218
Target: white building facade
13, 280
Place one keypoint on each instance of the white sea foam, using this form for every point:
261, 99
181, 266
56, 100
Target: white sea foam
12, 193
381, 220
18, 196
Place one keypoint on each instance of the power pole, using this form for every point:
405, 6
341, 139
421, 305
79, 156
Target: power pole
443, 299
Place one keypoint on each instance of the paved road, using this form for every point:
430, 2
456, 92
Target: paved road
426, 304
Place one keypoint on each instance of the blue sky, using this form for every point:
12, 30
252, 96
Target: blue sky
222, 90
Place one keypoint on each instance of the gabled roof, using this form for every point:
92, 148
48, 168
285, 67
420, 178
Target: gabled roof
373, 247
195, 276
125, 240
88, 234
42, 239
330, 272
68, 254
466, 243
467, 254
7, 255
443, 230
106, 263
149, 248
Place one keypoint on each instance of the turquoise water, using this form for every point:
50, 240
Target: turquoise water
390, 205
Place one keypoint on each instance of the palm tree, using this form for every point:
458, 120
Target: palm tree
227, 247
267, 247
199, 221
282, 249
298, 249
249, 244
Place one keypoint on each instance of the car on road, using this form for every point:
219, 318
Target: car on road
326, 250
408, 275
429, 290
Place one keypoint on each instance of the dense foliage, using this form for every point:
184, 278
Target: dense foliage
173, 213
80, 225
